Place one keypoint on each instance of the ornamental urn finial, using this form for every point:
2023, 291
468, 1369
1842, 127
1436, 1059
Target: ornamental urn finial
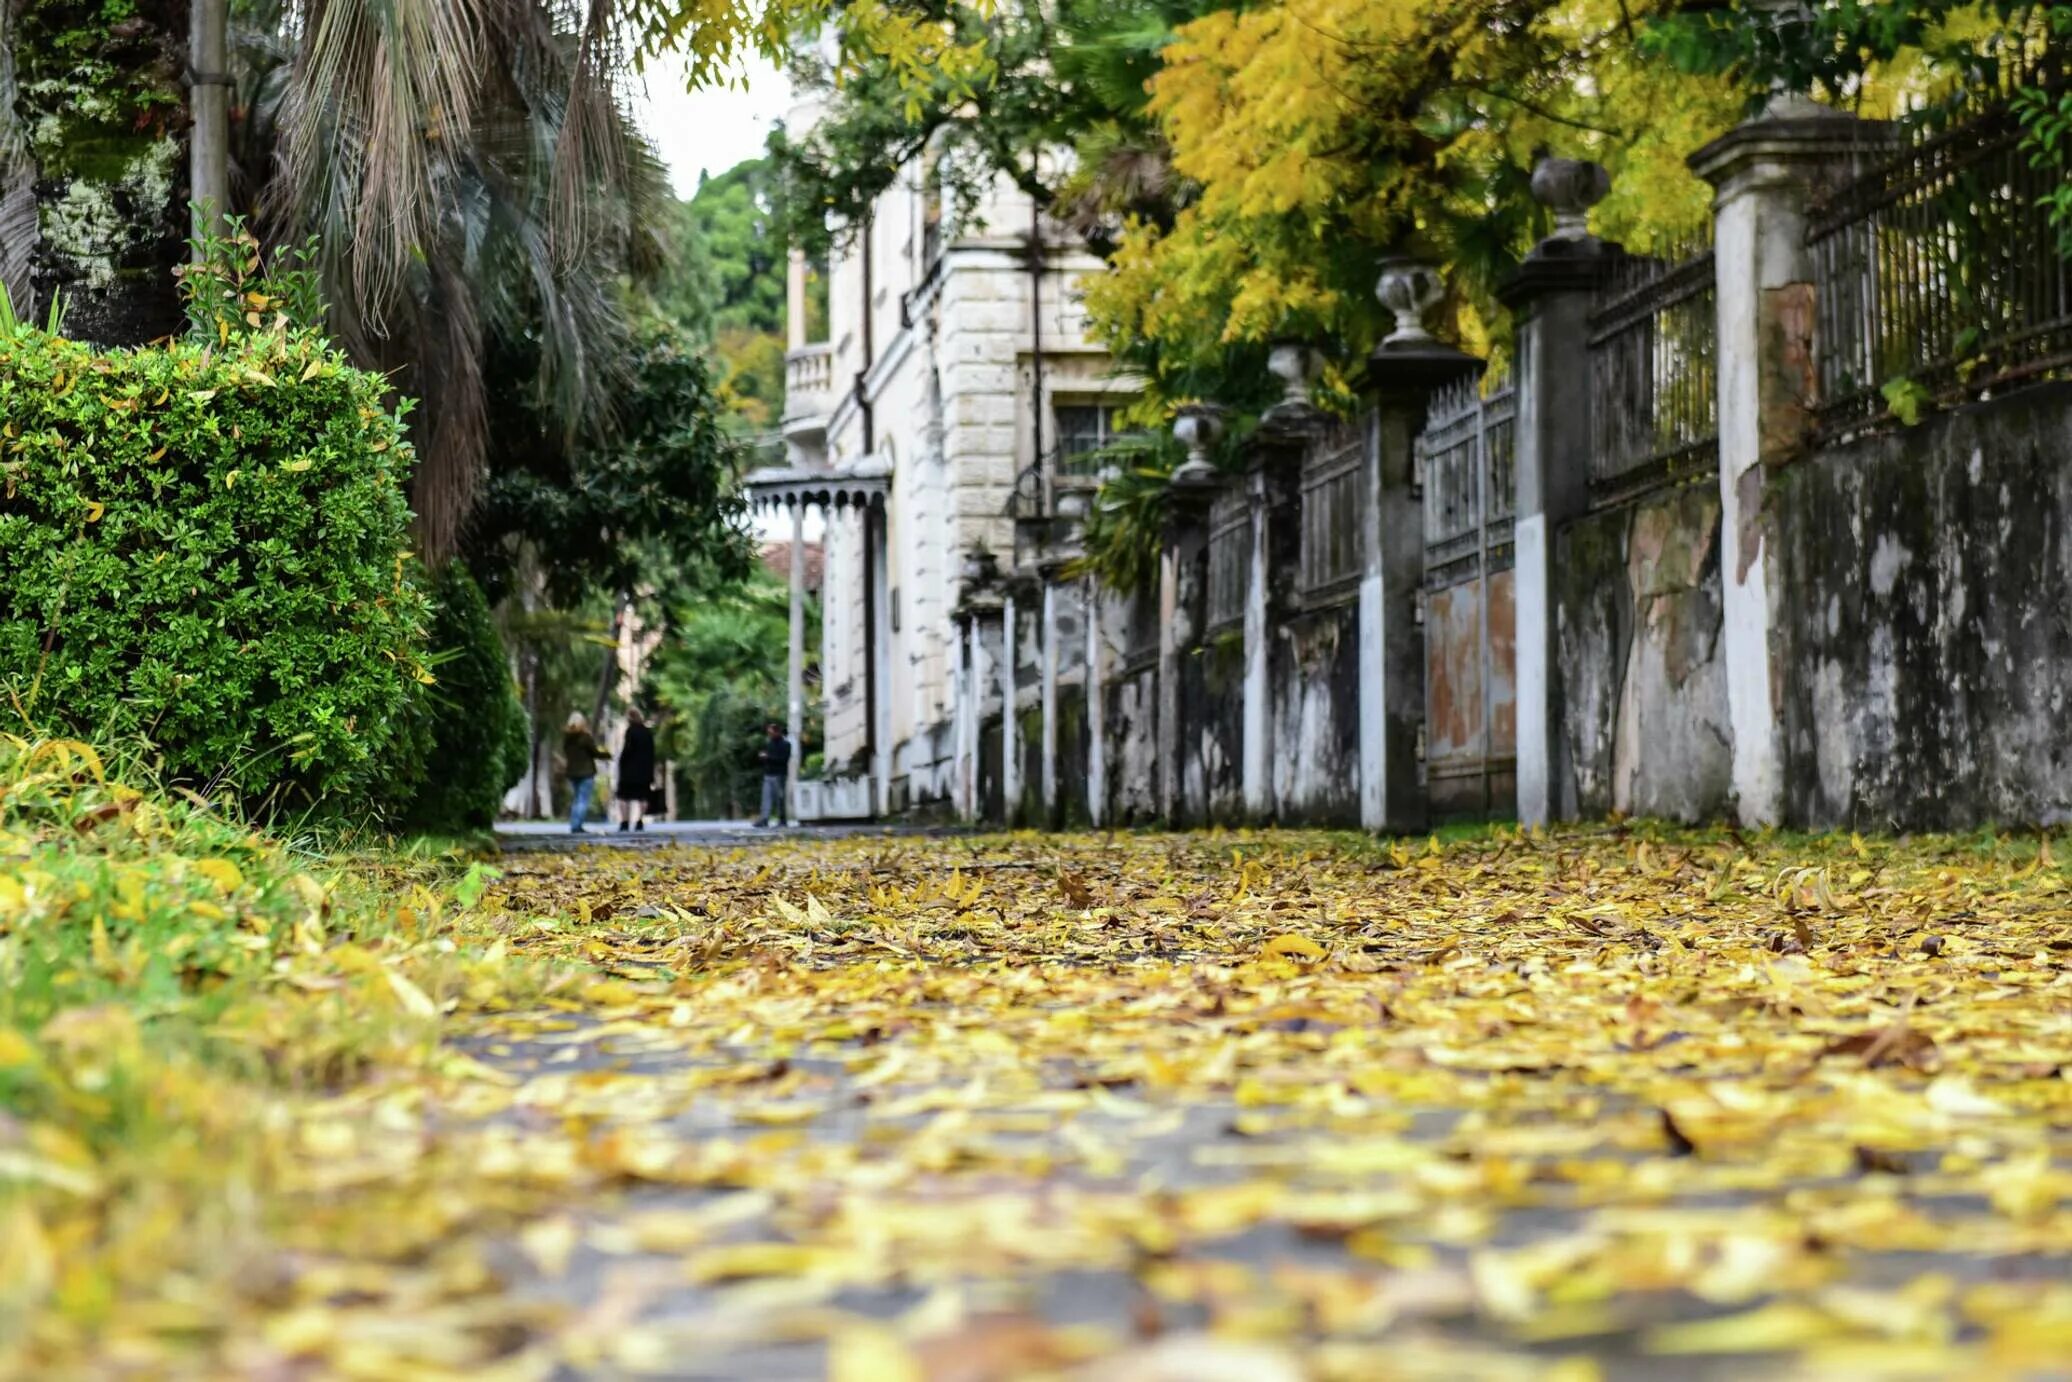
1197, 426
1296, 364
1569, 187
1410, 288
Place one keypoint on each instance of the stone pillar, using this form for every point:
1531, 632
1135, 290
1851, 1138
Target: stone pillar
795, 301
1763, 174
1550, 297
877, 528
1010, 736
1169, 678
1403, 371
969, 709
1278, 446
795, 672
1050, 653
1096, 708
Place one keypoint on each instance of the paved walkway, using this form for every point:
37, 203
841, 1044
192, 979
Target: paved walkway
513, 836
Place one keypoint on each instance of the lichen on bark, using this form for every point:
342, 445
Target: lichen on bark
99, 109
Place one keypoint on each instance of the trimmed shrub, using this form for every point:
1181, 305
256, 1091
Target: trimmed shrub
204, 545
470, 721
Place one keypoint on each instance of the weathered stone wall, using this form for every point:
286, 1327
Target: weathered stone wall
1131, 723
1315, 674
1637, 616
1928, 636
1212, 716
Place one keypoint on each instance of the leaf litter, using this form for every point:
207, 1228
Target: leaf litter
1595, 1103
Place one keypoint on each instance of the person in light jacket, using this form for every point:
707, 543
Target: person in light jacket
579, 759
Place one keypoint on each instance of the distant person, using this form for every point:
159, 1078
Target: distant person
776, 756
579, 757
636, 771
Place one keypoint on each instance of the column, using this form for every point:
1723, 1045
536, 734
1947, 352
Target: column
1762, 173
1256, 767
1404, 369
1010, 736
1550, 297
876, 538
1050, 652
795, 680
795, 301
1169, 679
962, 654
1096, 709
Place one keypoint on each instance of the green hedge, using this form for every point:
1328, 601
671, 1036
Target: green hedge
204, 545
470, 723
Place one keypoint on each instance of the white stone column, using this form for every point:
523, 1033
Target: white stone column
1762, 173
1010, 730
1096, 709
961, 717
1550, 297
1169, 680
1256, 766
1050, 653
877, 532
795, 301
795, 672
981, 680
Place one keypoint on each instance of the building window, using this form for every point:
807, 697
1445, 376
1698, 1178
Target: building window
1082, 430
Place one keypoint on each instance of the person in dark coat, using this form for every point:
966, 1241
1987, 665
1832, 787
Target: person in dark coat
636, 771
776, 761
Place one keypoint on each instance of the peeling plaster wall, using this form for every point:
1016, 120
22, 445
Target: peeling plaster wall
1132, 745
1928, 633
1638, 631
1212, 719
1316, 717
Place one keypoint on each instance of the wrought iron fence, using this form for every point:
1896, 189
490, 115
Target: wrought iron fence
1940, 275
1230, 557
1468, 436
1654, 372
1334, 511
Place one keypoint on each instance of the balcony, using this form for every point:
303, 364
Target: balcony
809, 388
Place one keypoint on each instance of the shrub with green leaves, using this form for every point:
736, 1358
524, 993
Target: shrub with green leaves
468, 725
204, 545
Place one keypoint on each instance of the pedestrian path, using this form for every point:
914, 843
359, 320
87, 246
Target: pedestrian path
554, 835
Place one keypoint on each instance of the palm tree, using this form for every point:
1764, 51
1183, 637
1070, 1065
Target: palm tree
473, 173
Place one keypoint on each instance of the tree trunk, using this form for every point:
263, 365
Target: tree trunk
209, 150
101, 106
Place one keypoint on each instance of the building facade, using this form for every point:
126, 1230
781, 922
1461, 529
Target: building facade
956, 374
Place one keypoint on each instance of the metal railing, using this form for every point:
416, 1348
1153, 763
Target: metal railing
1468, 449
1040, 484
1334, 510
1940, 275
1230, 557
1654, 373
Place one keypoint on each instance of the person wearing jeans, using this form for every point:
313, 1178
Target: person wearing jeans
579, 755
776, 756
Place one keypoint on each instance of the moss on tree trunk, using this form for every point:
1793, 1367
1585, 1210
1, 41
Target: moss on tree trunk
101, 103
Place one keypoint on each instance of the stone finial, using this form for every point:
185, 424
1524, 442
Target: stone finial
1569, 187
1410, 288
1197, 427
1296, 364
979, 569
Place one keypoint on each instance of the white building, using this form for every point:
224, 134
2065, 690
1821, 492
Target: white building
957, 368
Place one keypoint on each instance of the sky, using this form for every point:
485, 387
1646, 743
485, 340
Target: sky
712, 129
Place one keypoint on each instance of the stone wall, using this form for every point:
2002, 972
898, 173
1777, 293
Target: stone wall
1927, 635
1637, 608
1315, 708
